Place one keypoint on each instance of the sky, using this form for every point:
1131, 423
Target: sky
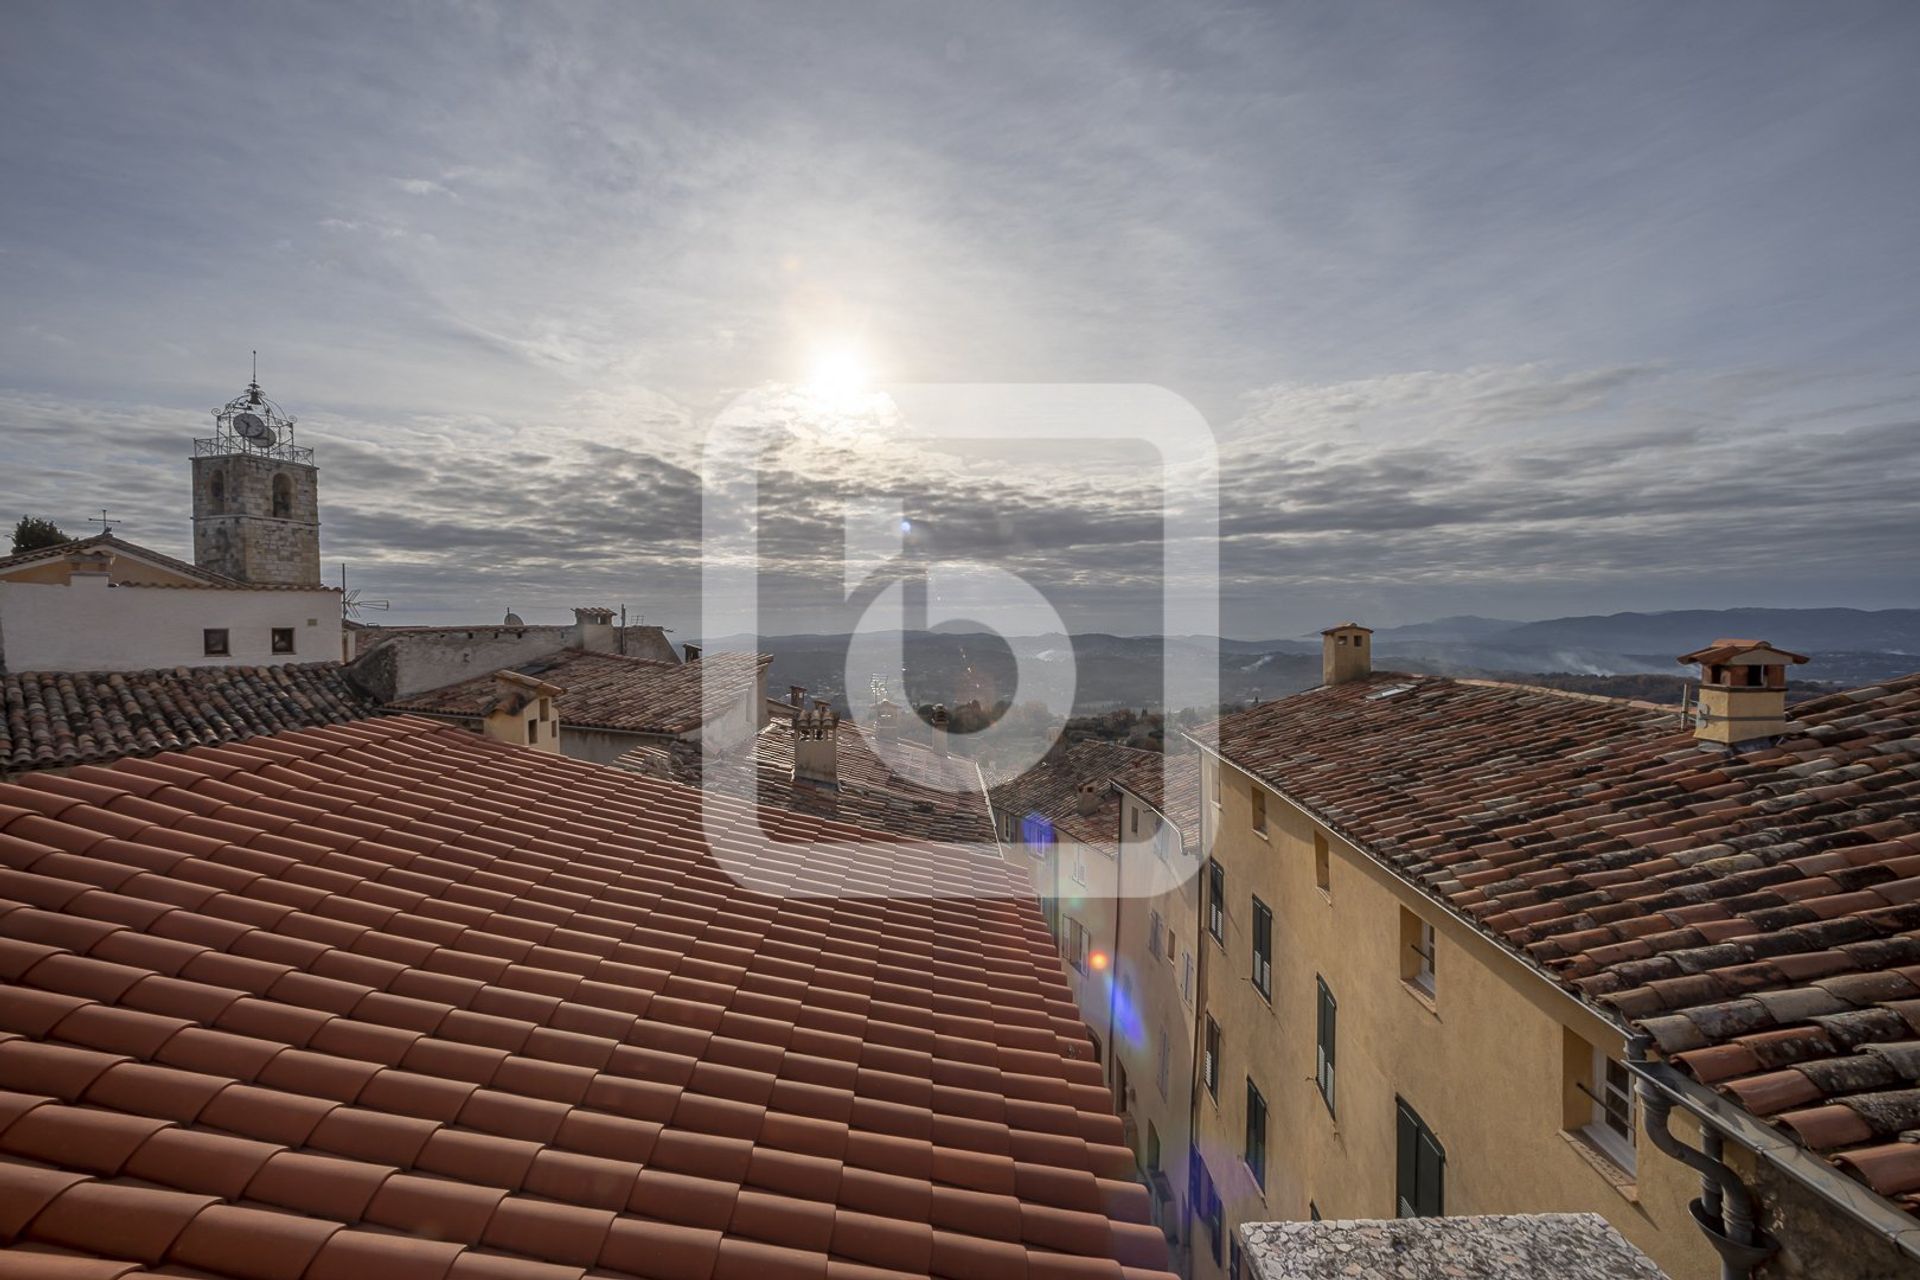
1519, 309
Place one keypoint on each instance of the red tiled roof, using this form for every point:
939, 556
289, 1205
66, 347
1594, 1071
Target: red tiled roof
390, 999
611, 691
1051, 789
1756, 911
53, 718
933, 797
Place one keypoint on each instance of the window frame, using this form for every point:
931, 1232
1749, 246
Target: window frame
1326, 1041
1426, 973
1210, 1059
1217, 901
212, 648
1262, 950
1413, 1138
1619, 1147
274, 637
1257, 809
1254, 1151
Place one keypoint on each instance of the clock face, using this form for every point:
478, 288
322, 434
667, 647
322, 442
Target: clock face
250, 426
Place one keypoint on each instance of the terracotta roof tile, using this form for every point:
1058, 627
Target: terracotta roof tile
569, 1044
909, 790
1749, 909
65, 718
612, 691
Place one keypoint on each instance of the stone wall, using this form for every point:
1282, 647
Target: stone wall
1817, 1240
401, 663
235, 529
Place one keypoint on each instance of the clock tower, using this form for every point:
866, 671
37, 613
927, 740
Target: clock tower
256, 496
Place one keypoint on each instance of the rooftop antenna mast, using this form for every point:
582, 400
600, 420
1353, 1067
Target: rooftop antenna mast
106, 525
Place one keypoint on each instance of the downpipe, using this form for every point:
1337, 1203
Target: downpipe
1724, 1211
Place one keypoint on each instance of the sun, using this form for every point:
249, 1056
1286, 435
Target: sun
838, 371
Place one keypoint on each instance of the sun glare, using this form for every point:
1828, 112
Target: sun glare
837, 373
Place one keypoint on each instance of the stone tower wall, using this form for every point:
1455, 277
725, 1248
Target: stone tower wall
235, 530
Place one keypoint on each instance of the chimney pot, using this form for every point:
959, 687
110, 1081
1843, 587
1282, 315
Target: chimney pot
1087, 800
1346, 653
886, 721
692, 652
938, 719
1743, 691
816, 745
797, 695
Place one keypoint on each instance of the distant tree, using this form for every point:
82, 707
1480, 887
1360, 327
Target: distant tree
33, 533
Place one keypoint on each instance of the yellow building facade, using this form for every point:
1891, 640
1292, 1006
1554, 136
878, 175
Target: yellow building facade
1397, 1055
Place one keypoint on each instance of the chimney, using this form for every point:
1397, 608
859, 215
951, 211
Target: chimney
692, 652
593, 630
797, 695
1743, 691
939, 722
816, 750
886, 721
1346, 653
522, 711
1086, 800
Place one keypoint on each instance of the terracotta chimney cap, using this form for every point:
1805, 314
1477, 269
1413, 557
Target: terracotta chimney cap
1726, 650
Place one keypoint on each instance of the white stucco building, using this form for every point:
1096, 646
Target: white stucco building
105, 604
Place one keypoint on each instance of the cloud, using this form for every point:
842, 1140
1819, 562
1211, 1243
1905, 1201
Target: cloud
1403, 488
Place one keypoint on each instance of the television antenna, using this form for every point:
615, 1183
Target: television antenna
106, 525
352, 603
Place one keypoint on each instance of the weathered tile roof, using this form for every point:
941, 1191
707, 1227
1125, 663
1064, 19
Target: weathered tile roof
390, 999
1051, 789
610, 691
1756, 911
918, 793
49, 719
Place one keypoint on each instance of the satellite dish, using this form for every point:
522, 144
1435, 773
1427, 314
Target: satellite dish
251, 426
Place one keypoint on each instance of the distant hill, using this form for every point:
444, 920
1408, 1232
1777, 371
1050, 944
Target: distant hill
1846, 630
1629, 654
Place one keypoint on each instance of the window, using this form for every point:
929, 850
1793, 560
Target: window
214, 642
1216, 799
1133, 818
1154, 926
1153, 1146
1076, 945
1259, 810
1256, 1135
1421, 1167
1233, 1258
1324, 1042
1079, 866
1121, 1089
533, 729
1217, 901
1210, 1060
283, 640
1416, 953
1208, 1199
1186, 978
1614, 1120
217, 490
1322, 863
1313, 1212
282, 497
1163, 1063
1172, 943
1601, 1107
1263, 949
